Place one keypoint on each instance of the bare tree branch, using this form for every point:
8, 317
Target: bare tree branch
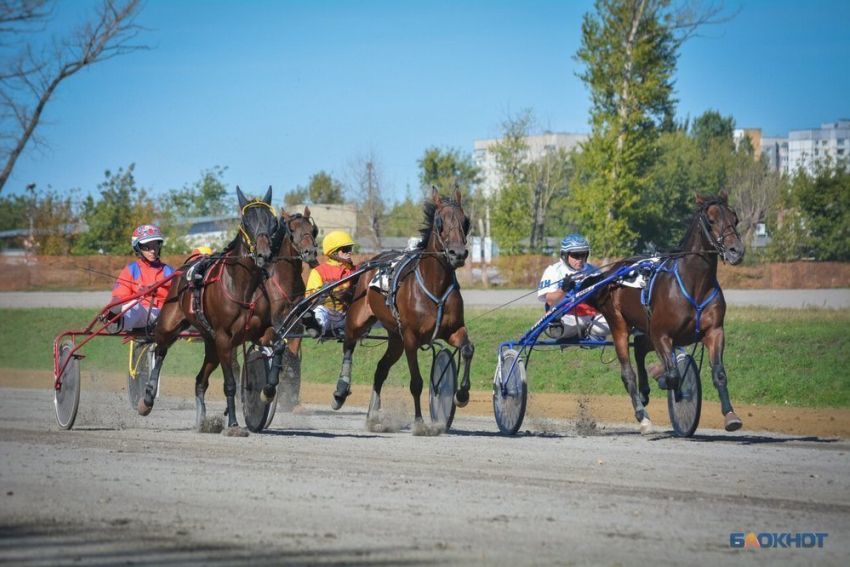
32, 78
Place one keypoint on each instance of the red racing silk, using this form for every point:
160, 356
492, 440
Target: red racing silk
138, 277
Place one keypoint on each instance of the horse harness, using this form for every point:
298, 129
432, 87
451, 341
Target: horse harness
400, 269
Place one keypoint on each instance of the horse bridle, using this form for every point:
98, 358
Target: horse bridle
728, 230
438, 224
251, 247
302, 252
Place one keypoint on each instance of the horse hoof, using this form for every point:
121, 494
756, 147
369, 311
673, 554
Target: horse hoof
267, 394
144, 408
645, 426
733, 422
338, 401
461, 398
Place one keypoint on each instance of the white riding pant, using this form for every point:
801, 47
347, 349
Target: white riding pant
596, 325
136, 317
329, 318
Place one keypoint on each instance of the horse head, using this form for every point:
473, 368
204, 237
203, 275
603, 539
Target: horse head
258, 225
450, 227
302, 232
719, 225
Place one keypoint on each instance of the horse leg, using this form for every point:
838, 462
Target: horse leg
714, 340
146, 403
670, 378
343, 384
224, 349
627, 374
412, 352
202, 382
642, 348
460, 339
394, 349
291, 387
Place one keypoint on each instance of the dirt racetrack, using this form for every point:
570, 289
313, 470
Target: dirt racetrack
319, 489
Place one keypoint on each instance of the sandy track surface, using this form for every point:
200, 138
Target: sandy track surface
319, 489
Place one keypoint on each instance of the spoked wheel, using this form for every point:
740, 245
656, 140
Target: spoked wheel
254, 372
510, 392
66, 398
443, 388
685, 402
141, 363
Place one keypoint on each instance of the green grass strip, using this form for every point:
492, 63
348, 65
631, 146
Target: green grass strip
790, 357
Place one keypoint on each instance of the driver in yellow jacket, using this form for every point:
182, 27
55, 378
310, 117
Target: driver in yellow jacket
330, 314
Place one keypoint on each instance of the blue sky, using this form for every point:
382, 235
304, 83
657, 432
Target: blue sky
277, 91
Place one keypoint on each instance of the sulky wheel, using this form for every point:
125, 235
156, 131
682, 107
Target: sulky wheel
685, 402
510, 392
254, 373
141, 363
66, 397
443, 388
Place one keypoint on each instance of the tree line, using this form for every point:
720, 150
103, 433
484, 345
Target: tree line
629, 188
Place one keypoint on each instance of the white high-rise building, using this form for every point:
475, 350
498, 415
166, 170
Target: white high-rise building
808, 147
538, 146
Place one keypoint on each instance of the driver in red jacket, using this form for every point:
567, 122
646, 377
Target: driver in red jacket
140, 276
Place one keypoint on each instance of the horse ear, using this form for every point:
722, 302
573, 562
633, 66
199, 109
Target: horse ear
242, 200
457, 196
284, 215
723, 196
306, 211
436, 195
268, 198
700, 199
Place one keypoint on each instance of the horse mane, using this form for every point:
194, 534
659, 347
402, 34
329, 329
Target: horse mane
430, 209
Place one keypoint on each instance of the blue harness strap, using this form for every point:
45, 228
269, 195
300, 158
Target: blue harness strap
646, 294
440, 302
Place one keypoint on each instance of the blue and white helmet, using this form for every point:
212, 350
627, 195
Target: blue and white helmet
574, 243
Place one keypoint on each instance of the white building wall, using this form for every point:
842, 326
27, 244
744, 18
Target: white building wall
809, 147
538, 146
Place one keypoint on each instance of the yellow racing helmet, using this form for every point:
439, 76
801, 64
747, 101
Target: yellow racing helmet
335, 240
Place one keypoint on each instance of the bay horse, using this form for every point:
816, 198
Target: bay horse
296, 244
426, 304
685, 305
228, 304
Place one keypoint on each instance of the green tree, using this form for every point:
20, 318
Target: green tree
207, 196
448, 168
54, 222
13, 211
325, 189
712, 128
297, 196
404, 218
512, 202
815, 219
112, 218
629, 49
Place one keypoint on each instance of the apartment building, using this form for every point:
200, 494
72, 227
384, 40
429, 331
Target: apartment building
538, 146
817, 145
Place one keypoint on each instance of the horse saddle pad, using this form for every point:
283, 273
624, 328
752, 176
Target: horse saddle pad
638, 276
382, 280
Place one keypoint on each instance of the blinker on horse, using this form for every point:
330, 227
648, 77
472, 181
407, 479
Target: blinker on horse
424, 304
228, 303
683, 304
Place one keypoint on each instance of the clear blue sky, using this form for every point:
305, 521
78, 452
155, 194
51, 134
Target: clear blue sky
277, 91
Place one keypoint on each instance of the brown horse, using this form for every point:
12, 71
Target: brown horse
425, 304
228, 304
296, 242
685, 305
